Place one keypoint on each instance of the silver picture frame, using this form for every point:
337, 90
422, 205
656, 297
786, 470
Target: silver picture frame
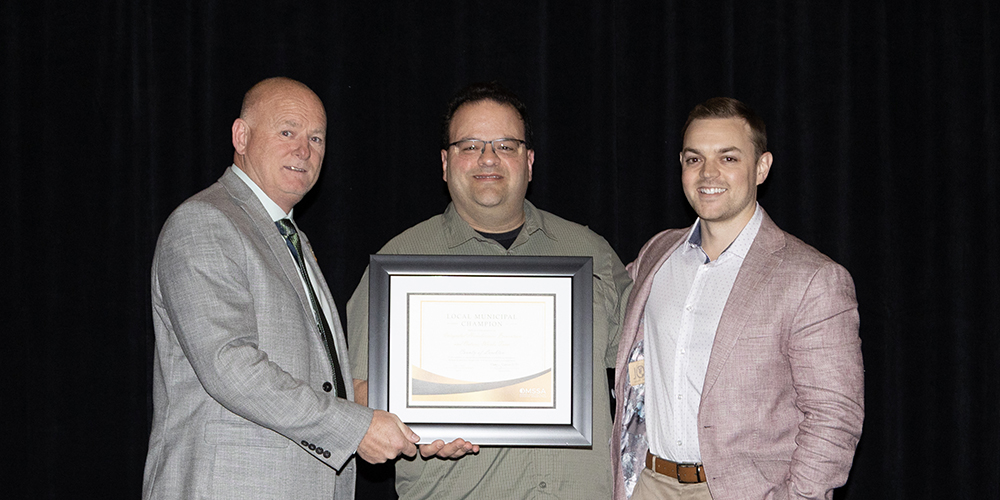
424, 301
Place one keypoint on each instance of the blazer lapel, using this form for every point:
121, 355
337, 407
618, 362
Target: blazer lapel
758, 266
247, 200
648, 268
649, 261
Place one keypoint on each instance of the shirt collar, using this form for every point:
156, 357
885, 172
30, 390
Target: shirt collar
457, 231
272, 208
740, 246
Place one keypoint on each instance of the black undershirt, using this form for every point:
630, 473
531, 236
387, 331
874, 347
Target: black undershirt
504, 239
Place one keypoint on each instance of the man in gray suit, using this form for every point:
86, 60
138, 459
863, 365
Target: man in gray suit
249, 393
739, 372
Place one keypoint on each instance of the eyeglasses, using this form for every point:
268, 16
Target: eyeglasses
501, 147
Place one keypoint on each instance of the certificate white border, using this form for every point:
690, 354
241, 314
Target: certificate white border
401, 286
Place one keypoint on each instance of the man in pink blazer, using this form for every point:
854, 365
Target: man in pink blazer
739, 371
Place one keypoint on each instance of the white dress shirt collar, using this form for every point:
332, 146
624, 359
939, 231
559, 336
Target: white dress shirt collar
272, 208
739, 247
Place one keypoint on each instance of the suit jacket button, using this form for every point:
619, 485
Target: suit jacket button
312, 446
326, 454
305, 443
327, 386
319, 451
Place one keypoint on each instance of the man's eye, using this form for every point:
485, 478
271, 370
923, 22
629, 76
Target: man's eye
286, 133
317, 140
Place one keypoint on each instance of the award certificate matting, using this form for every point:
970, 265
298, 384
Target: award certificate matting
494, 350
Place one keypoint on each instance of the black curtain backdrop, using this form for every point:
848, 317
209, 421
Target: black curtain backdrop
882, 120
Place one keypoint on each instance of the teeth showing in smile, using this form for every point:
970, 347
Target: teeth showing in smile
294, 169
712, 190
493, 176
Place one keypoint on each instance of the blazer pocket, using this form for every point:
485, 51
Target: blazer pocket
228, 433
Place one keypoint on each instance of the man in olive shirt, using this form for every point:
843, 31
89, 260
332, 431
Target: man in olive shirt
486, 161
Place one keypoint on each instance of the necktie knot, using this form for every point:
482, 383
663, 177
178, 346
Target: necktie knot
287, 230
285, 227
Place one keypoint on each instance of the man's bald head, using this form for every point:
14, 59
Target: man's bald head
271, 87
280, 138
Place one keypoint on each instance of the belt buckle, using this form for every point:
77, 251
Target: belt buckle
689, 467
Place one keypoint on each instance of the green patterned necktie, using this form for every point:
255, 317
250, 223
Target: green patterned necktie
291, 236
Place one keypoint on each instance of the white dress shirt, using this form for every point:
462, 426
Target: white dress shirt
682, 314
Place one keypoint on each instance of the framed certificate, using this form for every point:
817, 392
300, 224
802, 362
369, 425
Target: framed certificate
494, 350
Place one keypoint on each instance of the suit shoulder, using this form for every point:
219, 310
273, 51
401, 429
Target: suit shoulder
653, 249
207, 213
801, 253
804, 266
664, 239
212, 199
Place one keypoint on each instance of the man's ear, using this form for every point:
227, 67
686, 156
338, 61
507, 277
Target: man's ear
240, 132
531, 161
763, 167
444, 164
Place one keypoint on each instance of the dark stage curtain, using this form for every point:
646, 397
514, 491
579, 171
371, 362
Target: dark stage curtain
882, 120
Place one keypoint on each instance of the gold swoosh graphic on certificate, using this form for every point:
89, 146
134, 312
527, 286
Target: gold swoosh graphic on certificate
423, 385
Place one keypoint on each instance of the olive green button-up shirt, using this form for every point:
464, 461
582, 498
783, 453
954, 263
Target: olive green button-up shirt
499, 472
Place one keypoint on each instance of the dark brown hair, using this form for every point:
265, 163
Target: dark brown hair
727, 107
491, 91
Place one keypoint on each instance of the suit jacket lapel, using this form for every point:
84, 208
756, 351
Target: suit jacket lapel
760, 263
247, 200
648, 269
647, 264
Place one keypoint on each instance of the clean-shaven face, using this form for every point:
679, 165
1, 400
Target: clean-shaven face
719, 170
285, 139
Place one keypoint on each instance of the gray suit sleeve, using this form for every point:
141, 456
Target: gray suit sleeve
240, 326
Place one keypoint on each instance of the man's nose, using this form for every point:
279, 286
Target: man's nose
489, 155
302, 149
710, 169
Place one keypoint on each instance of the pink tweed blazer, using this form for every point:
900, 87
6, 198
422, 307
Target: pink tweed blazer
783, 400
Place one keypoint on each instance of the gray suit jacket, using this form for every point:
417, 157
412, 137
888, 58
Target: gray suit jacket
783, 399
242, 400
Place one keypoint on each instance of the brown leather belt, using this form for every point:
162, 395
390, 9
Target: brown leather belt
683, 473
